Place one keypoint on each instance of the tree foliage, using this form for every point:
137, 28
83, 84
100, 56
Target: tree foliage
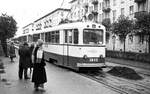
122, 27
8, 26
143, 24
106, 22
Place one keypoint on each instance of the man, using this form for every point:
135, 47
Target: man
24, 60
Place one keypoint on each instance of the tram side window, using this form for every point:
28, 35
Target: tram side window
53, 37
70, 36
46, 37
42, 36
57, 37
36, 37
66, 36
49, 36
76, 36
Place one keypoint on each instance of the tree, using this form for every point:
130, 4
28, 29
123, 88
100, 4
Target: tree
8, 28
143, 25
122, 27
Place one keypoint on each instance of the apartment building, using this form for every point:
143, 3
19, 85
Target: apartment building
109, 10
130, 8
99, 11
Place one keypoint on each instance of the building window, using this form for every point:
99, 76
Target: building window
100, 6
91, 8
79, 15
114, 2
122, 11
103, 16
107, 15
141, 38
122, 1
96, 7
100, 17
114, 15
130, 39
131, 10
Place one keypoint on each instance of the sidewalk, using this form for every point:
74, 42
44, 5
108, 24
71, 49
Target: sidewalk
60, 81
131, 63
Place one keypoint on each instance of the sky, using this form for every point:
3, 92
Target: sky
27, 11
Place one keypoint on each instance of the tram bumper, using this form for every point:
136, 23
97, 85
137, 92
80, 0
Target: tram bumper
91, 64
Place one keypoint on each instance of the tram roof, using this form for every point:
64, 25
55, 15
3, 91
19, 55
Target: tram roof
71, 26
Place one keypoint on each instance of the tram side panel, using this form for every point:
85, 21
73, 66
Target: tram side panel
95, 56
72, 55
54, 53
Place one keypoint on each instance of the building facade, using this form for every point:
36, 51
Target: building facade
99, 11
109, 10
47, 21
51, 19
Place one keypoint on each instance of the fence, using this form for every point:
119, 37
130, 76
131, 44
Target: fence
143, 57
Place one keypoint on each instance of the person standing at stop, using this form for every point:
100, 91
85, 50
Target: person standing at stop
24, 60
12, 51
39, 73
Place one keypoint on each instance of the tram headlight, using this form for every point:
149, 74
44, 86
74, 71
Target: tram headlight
85, 57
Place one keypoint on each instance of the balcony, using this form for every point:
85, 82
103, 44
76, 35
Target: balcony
94, 2
94, 12
106, 9
85, 5
138, 14
139, 1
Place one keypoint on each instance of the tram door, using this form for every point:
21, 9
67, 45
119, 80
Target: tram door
66, 48
71, 37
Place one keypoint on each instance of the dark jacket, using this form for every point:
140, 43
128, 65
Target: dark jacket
39, 73
24, 60
31, 50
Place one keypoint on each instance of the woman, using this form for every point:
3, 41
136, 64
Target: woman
39, 73
12, 51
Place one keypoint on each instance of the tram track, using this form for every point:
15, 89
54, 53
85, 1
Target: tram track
120, 85
130, 81
105, 84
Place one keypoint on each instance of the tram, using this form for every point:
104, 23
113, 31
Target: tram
74, 45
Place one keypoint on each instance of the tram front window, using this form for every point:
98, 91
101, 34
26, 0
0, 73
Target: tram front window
93, 36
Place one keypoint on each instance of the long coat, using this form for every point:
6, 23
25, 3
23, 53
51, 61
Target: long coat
39, 73
24, 60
